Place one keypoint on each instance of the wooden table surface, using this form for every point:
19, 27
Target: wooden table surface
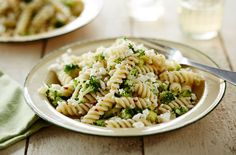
215, 134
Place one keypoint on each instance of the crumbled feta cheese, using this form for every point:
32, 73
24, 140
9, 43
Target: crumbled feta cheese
150, 52
117, 66
166, 116
145, 112
73, 102
149, 76
139, 116
138, 125
102, 71
115, 118
193, 97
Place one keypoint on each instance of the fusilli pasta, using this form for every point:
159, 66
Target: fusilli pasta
122, 86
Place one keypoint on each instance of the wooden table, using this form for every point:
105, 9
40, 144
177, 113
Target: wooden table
215, 134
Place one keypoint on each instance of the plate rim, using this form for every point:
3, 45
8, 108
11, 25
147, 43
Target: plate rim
50, 34
219, 98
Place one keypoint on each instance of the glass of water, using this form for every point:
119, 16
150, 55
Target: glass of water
201, 19
145, 10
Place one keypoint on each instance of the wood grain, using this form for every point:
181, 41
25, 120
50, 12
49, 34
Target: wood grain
214, 134
56, 140
16, 60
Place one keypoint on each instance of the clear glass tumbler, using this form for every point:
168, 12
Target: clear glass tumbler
201, 19
145, 10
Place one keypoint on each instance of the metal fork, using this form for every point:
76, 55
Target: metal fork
175, 54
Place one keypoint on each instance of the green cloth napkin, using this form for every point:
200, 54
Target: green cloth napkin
17, 120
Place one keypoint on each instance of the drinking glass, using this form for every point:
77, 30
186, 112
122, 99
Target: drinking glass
201, 19
145, 10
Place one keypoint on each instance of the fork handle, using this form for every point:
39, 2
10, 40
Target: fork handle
228, 76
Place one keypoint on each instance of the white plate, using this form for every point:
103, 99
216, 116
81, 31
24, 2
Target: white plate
213, 92
91, 10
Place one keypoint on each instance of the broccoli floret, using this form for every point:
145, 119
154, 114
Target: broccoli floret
180, 111
53, 96
100, 122
152, 116
99, 57
127, 113
72, 70
163, 87
125, 88
186, 93
166, 97
124, 92
91, 85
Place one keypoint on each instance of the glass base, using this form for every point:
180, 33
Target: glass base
202, 36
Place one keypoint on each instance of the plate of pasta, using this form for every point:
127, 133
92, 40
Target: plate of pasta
121, 87
28, 20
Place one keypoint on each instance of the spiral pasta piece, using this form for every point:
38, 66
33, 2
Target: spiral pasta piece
98, 110
147, 69
69, 109
125, 123
182, 76
183, 102
132, 102
121, 73
143, 91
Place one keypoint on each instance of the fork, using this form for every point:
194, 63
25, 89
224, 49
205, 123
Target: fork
175, 54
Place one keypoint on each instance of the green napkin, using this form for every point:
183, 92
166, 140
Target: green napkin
17, 120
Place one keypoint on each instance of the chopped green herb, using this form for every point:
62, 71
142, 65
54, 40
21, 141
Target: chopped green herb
134, 72
99, 57
131, 47
141, 52
118, 60
166, 97
100, 122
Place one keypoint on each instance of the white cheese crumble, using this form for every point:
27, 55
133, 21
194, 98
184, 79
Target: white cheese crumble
138, 125
166, 116
139, 116
149, 76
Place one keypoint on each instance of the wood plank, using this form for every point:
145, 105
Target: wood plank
16, 60
111, 22
55, 140
216, 133
228, 31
